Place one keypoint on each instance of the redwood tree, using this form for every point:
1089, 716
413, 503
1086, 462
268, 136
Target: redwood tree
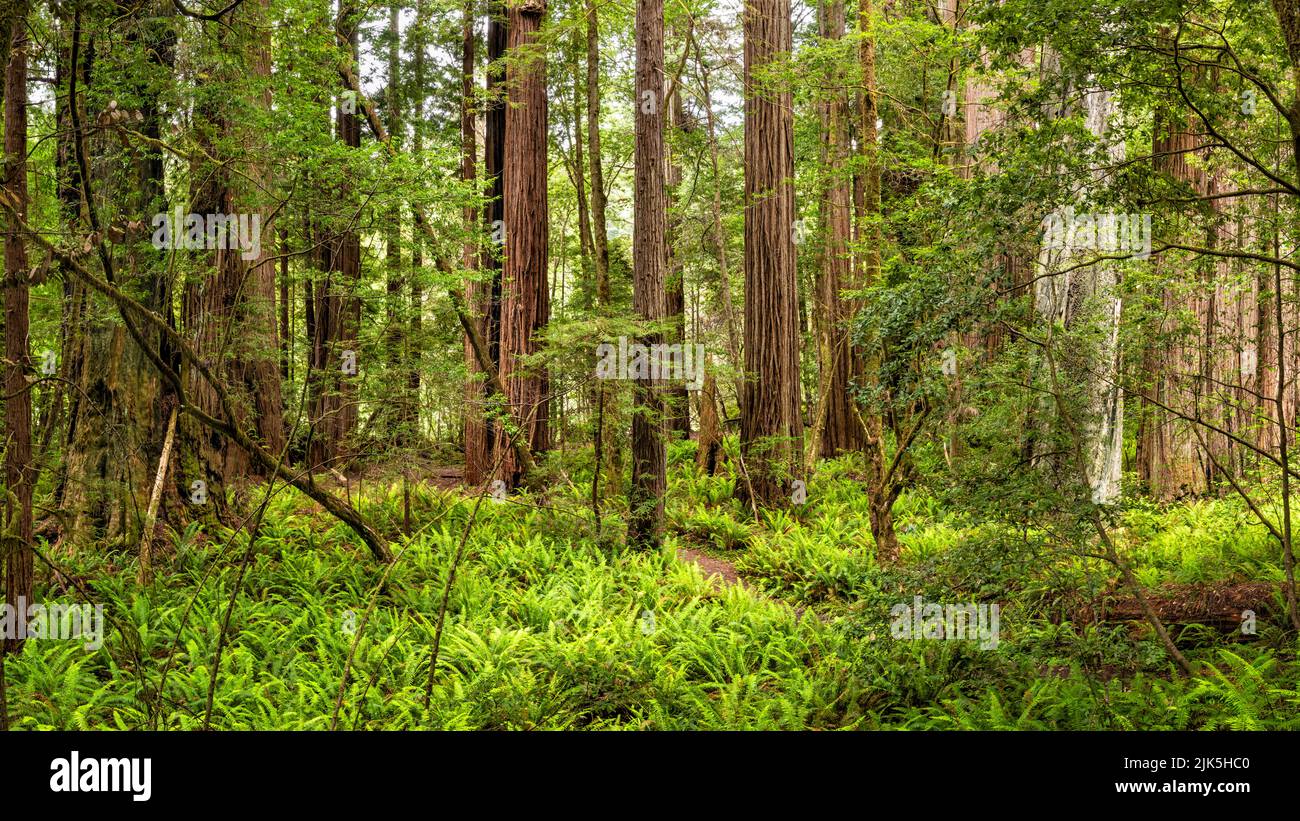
525, 295
836, 426
485, 304
771, 428
649, 257
229, 314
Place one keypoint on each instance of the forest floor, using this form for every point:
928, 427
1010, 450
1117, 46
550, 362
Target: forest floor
712, 567
554, 623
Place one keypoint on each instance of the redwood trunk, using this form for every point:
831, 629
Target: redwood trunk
840, 429
771, 428
649, 255
525, 296
230, 316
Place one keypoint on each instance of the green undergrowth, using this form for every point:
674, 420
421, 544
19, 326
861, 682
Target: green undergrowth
553, 625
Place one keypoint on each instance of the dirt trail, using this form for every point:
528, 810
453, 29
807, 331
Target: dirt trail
712, 567
722, 573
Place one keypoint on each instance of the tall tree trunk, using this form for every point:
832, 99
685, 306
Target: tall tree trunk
1166, 460
600, 226
840, 429
486, 309
396, 428
525, 295
1083, 297
230, 315
724, 282
68, 193
258, 370
160, 49
337, 309
478, 295
771, 425
114, 421
610, 436
346, 259
677, 396
416, 38
882, 488
17, 537
585, 242
285, 306
649, 256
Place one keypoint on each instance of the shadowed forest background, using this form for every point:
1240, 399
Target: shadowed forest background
659, 364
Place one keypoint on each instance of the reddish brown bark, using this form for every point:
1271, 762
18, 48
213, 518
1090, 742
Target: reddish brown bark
649, 256
771, 427
484, 298
230, 315
840, 362
525, 295
709, 452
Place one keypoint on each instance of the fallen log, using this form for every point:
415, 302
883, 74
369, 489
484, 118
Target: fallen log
1215, 605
